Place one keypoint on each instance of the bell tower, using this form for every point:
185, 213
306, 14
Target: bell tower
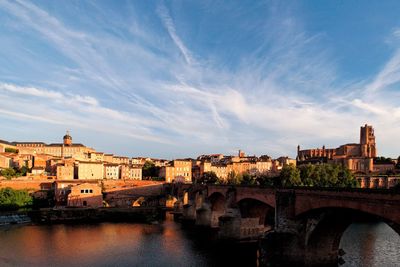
367, 141
67, 139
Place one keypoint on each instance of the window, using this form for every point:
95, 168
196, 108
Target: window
90, 191
82, 191
86, 191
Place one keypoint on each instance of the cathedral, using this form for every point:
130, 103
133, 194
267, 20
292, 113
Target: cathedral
356, 157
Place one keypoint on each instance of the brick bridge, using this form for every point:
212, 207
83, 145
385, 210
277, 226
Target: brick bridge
296, 227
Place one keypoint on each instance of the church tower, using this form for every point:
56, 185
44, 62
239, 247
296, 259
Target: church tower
367, 141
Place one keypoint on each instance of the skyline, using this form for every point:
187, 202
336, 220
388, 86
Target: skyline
178, 79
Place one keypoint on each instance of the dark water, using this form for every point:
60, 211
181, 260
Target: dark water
167, 244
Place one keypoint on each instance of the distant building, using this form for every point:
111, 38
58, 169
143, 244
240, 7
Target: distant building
223, 166
85, 195
86, 170
65, 171
69, 193
111, 171
65, 149
177, 171
356, 157
130, 172
5, 161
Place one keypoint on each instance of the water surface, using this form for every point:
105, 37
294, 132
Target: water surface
166, 244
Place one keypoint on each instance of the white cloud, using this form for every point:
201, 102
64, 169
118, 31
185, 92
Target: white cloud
169, 25
280, 95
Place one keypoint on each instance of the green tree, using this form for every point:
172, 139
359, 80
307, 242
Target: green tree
208, 178
290, 176
8, 173
150, 170
248, 179
233, 178
327, 175
11, 199
11, 150
398, 163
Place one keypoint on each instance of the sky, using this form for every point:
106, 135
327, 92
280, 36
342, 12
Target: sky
174, 79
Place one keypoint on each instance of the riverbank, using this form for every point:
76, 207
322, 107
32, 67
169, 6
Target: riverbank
87, 215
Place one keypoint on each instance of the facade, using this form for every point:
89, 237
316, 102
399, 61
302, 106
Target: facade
111, 171
177, 171
5, 162
65, 171
136, 173
85, 195
120, 160
94, 156
223, 166
130, 172
86, 170
357, 157
66, 149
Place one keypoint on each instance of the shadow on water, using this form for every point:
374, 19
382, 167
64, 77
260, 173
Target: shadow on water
371, 245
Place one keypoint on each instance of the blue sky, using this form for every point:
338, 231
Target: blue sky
182, 78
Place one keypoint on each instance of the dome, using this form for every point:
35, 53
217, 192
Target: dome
67, 139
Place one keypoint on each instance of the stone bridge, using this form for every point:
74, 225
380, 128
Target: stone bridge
296, 227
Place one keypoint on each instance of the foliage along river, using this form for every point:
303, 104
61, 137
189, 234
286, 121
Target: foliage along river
166, 244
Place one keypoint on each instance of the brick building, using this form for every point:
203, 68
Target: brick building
358, 157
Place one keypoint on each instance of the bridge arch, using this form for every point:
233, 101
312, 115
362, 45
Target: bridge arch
218, 207
324, 228
255, 208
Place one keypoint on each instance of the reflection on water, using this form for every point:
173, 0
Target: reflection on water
370, 245
167, 244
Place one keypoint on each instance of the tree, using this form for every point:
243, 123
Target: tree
11, 150
327, 175
290, 176
9, 173
248, 179
398, 163
208, 178
11, 199
150, 170
233, 178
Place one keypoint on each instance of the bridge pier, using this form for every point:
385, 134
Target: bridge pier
310, 241
189, 212
203, 215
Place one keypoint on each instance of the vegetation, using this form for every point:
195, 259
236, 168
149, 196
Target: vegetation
150, 170
14, 172
11, 150
320, 175
383, 160
208, 178
11, 199
398, 163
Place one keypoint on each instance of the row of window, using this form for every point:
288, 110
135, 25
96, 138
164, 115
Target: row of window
86, 191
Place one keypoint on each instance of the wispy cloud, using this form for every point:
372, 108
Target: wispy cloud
169, 25
127, 80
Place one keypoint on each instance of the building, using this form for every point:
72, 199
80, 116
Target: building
85, 195
65, 171
94, 156
5, 161
223, 166
358, 157
130, 172
111, 171
87, 170
66, 149
177, 171
69, 193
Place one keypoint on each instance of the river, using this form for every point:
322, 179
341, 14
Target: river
166, 244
